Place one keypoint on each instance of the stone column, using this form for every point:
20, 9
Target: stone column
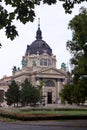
58, 89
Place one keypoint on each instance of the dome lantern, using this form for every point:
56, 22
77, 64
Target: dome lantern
38, 46
38, 33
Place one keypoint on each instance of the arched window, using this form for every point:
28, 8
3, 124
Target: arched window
49, 83
49, 62
45, 62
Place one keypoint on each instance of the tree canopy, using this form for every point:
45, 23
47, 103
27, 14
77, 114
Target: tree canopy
1, 96
67, 94
25, 92
69, 4
78, 45
24, 11
13, 94
78, 48
29, 93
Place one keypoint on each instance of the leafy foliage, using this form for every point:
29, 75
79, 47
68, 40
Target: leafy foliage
25, 92
1, 96
13, 94
29, 94
78, 49
34, 96
24, 11
78, 45
67, 94
69, 4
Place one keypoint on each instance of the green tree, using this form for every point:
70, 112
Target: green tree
25, 92
67, 94
13, 94
24, 11
78, 48
1, 96
34, 96
69, 4
29, 94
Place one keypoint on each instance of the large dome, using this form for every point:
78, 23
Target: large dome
38, 46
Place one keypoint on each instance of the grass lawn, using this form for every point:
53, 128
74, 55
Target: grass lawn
42, 112
59, 111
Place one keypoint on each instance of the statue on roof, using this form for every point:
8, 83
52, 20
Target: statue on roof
63, 66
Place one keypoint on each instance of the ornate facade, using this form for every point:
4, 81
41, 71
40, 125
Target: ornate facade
39, 64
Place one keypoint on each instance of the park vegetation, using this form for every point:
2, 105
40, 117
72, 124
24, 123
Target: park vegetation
26, 95
42, 114
24, 11
76, 91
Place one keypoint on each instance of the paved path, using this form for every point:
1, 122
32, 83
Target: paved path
45, 125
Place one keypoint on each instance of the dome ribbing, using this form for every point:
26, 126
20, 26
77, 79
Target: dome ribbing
38, 46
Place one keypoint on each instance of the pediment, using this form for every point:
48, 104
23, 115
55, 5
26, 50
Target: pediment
52, 71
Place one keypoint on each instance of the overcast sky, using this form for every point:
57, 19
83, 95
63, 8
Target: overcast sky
54, 26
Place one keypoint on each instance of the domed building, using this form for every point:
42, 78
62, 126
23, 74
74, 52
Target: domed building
39, 64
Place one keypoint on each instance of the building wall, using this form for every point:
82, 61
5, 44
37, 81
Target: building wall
32, 68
